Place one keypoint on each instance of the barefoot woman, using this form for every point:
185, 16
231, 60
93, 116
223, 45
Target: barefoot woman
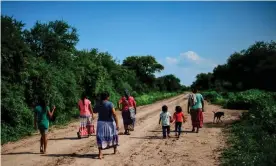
41, 120
107, 126
127, 105
195, 107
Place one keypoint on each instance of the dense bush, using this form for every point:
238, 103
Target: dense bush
44, 62
249, 144
150, 98
245, 100
213, 97
239, 100
253, 140
248, 69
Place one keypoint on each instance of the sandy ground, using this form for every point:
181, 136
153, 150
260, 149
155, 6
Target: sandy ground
144, 146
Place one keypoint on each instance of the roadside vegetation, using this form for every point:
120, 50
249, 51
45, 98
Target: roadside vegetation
245, 82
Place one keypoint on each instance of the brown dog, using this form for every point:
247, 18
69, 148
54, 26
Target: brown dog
218, 115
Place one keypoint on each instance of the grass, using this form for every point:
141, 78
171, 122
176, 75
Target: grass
249, 145
153, 97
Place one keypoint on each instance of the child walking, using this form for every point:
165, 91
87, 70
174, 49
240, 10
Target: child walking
165, 117
42, 114
178, 117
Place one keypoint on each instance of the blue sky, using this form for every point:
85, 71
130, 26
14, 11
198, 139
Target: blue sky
186, 37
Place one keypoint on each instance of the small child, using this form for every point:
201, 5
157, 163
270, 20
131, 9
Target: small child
178, 117
166, 118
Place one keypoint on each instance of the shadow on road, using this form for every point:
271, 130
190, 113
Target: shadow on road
160, 131
91, 156
17, 153
64, 138
148, 137
69, 138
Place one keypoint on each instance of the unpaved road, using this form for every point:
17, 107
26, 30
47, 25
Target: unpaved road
144, 147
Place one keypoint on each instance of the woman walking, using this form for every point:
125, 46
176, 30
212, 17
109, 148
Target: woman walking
196, 107
42, 114
107, 126
128, 108
86, 113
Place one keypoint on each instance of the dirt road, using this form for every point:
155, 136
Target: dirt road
145, 146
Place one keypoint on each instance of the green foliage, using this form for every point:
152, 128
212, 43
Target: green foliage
245, 100
251, 141
144, 68
249, 145
214, 97
168, 83
249, 69
42, 62
152, 97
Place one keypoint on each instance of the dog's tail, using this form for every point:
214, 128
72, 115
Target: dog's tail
214, 112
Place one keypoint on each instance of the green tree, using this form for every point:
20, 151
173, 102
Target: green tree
248, 69
168, 83
144, 68
54, 41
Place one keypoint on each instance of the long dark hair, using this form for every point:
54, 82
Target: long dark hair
104, 96
126, 94
43, 103
83, 97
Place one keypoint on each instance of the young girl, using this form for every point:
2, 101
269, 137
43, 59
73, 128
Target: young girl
178, 117
42, 114
165, 117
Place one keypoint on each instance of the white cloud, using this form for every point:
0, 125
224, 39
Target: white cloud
171, 61
191, 56
186, 66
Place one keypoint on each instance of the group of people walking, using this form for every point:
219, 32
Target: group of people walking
195, 108
107, 123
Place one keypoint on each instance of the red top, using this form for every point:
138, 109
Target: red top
127, 103
84, 107
178, 116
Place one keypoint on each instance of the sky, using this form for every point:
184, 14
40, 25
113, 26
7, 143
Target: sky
187, 38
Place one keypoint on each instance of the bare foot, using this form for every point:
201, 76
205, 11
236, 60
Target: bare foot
116, 152
41, 150
101, 156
